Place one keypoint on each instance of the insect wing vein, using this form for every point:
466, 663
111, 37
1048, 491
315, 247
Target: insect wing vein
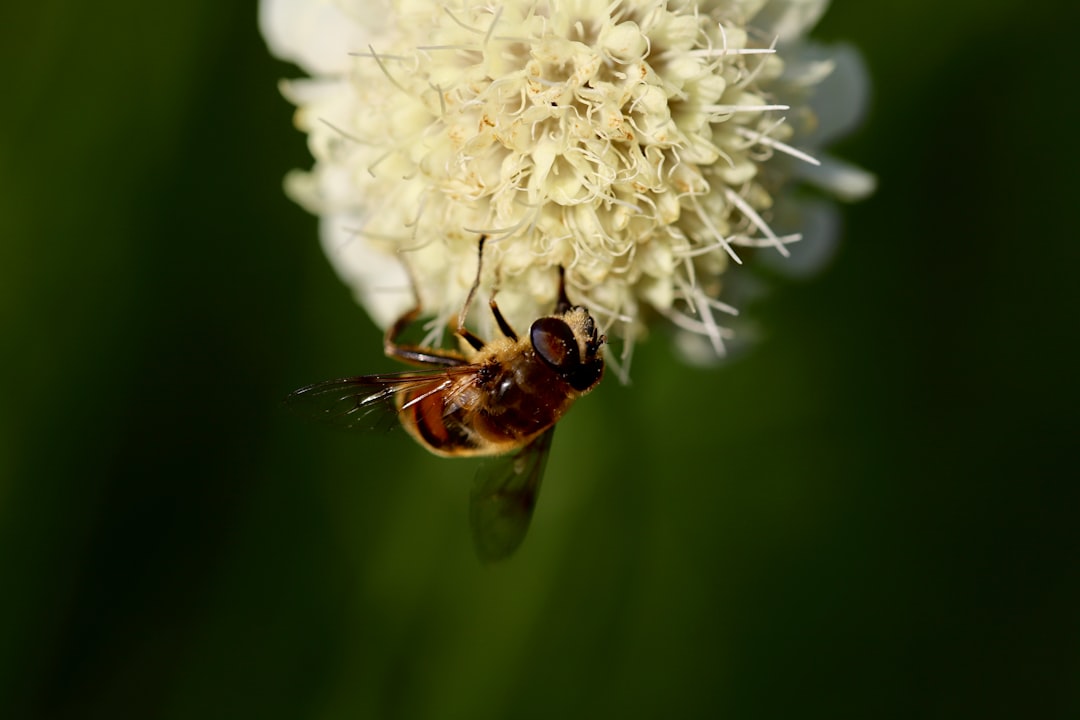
365, 402
427, 393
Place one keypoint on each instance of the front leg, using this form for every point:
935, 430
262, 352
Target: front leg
504, 327
463, 332
416, 354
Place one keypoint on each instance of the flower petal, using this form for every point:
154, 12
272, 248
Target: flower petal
376, 277
841, 98
842, 179
818, 221
317, 35
789, 20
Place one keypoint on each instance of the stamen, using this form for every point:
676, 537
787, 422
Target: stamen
782, 147
393, 81
708, 223
728, 109
728, 52
744, 241
759, 223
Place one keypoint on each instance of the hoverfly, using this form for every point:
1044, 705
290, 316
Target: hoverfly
500, 398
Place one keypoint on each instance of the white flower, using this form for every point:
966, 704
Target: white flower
641, 144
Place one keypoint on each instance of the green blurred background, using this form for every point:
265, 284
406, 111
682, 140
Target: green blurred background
868, 515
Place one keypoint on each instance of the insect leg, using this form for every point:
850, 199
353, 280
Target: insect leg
462, 331
564, 303
504, 327
415, 354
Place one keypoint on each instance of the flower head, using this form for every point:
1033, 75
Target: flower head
640, 144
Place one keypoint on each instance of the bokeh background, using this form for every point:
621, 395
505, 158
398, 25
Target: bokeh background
868, 515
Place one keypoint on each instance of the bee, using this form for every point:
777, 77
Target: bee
501, 398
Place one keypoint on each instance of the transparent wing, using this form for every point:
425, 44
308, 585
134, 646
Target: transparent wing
368, 401
503, 497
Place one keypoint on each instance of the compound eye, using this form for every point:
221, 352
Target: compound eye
554, 342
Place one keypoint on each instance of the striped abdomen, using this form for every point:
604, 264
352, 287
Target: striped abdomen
494, 409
